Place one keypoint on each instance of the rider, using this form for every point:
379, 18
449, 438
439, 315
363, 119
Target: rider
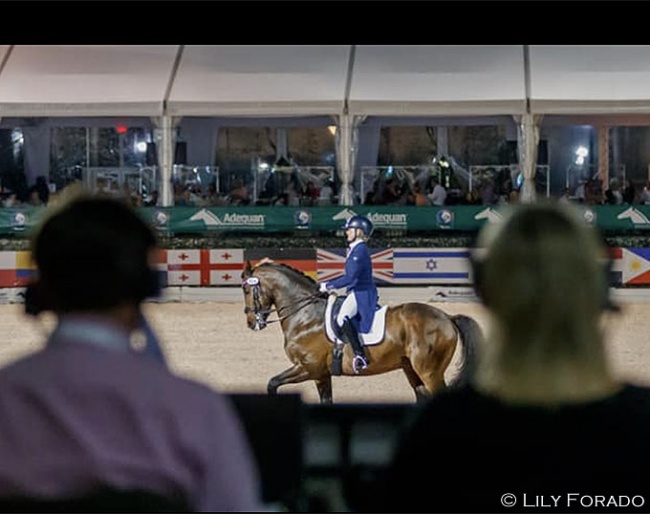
358, 308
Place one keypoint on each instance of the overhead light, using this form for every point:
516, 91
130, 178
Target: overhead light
332, 129
581, 153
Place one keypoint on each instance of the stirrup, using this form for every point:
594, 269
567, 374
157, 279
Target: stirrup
359, 363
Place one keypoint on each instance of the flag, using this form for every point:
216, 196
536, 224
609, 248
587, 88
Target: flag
226, 266
331, 264
184, 267
16, 268
204, 267
160, 265
431, 266
25, 268
302, 259
636, 266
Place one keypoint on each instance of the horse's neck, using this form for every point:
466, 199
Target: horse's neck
293, 302
289, 294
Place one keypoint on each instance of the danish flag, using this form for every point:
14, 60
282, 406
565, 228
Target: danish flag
331, 264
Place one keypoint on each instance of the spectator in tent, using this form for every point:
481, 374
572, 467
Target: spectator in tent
438, 195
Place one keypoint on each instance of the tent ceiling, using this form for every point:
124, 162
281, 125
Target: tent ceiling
260, 80
442, 80
85, 80
282, 81
590, 79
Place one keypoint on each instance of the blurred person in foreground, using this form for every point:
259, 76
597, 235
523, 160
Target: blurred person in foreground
96, 411
544, 422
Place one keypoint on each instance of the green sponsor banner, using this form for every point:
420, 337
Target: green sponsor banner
182, 220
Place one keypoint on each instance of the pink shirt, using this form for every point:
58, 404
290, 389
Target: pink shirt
87, 410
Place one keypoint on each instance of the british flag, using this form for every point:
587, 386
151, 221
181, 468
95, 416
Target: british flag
331, 264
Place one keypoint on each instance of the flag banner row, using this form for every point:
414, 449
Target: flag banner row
392, 266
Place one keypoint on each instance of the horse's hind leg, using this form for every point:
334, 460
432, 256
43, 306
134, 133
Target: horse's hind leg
324, 386
430, 364
294, 375
421, 392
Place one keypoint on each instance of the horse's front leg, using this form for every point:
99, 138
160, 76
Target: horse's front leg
294, 375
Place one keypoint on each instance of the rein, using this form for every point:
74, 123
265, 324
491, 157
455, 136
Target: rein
260, 312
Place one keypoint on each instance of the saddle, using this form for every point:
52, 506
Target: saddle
375, 336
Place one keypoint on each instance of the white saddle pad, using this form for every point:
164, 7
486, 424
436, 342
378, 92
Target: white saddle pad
376, 334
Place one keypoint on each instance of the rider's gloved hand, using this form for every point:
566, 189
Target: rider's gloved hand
322, 288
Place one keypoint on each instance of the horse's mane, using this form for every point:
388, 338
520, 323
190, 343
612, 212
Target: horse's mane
300, 275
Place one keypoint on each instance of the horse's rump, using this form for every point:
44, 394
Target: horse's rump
428, 329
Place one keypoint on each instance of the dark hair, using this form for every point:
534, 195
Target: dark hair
91, 255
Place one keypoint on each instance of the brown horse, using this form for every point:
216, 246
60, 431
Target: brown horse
420, 338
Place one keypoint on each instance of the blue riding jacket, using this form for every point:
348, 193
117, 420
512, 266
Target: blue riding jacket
358, 281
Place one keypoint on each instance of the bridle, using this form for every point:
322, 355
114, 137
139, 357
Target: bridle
261, 313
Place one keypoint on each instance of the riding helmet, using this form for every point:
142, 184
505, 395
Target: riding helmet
360, 222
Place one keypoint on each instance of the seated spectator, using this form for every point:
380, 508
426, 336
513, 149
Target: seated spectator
488, 194
43, 189
628, 193
613, 195
326, 193
544, 414
10, 200
392, 192
580, 192
644, 197
93, 410
151, 200
472, 197
566, 196
239, 193
438, 195
213, 198
34, 200
186, 198
418, 195
310, 194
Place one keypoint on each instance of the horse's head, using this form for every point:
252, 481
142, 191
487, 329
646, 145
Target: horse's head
269, 284
258, 298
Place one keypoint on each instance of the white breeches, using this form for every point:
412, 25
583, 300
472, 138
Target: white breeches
349, 309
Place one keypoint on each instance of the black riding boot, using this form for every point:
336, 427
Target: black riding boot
351, 335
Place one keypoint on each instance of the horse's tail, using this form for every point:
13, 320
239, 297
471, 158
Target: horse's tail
472, 336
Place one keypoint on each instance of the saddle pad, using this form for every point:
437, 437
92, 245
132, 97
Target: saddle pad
376, 334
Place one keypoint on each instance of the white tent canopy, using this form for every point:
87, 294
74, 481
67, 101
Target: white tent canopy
294, 80
438, 81
590, 79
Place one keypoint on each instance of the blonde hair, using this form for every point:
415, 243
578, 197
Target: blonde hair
544, 283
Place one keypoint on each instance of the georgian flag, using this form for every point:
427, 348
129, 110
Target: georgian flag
204, 267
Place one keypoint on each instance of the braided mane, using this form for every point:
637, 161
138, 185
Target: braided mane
280, 265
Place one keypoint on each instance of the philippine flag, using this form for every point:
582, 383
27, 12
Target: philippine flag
636, 266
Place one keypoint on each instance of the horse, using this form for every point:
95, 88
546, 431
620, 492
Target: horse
419, 338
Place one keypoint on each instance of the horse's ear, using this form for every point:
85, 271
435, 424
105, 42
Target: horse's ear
248, 269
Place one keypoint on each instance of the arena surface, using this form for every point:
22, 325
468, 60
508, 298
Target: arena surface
209, 341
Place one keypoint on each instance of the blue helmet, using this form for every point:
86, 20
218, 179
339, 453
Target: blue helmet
360, 222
